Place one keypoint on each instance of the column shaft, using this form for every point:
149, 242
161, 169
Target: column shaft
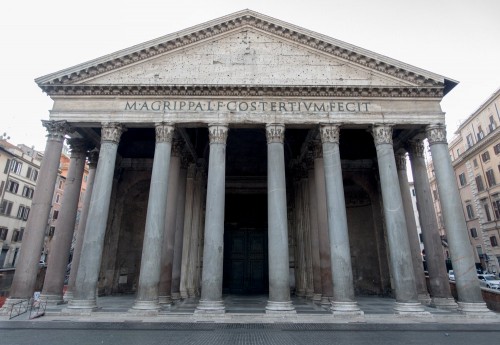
211, 284
343, 286
279, 286
313, 210
397, 236
186, 243
77, 250
61, 243
307, 237
147, 293
23, 284
418, 267
438, 276
95, 230
462, 256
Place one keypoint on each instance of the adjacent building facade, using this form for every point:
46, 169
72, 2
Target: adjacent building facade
248, 155
475, 152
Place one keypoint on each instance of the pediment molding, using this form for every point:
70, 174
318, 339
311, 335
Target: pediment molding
56, 82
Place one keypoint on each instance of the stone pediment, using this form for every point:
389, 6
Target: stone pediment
241, 53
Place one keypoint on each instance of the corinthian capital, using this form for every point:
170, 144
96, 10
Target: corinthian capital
275, 133
330, 133
93, 157
382, 134
164, 132
78, 147
400, 161
436, 134
217, 133
416, 148
111, 132
57, 129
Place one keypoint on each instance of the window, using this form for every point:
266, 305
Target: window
55, 214
458, 152
52, 229
435, 194
6, 207
26, 213
413, 191
480, 134
473, 232
15, 167
479, 183
20, 211
421, 237
470, 141
493, 241
485, 156
492, 125
15, 235
28, 192
486, 210
496, 148
3, 233
32, 174
12, 186
470, 211
85, 177
60, 186
21, 235
462, 179
496, 208
490, 177
475, 162
57, 198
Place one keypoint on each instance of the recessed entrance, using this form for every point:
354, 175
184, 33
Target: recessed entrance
245, 244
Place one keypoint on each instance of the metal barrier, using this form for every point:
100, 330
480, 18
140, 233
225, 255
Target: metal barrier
36, 308
19, 308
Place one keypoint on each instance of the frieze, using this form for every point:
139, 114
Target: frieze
436, 134
275, 133
57, 130
217, 133
245, 19
382, 134
330, 133
111, 132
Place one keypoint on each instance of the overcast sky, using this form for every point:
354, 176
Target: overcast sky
459, 39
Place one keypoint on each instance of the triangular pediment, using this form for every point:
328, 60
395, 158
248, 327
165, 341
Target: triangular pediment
244, 49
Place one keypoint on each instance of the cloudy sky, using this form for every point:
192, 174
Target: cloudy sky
459, 39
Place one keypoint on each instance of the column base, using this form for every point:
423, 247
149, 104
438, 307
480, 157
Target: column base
325, 300
444, 303
184, 295
176, 296
410, 309
68, 296
210, 308
309, 293
164, 300
80, 307
300, 293
145, 307
424, 299
476, 309
346, 309
273, 307
52, 299
317, 297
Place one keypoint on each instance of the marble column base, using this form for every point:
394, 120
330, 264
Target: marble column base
165, 300
349, 309
444, 303
145, 306
280, 307
52, 299
309, 294
410, 309
424, 299
325, 300
184, 295
68, 296
80, 307
210, 307
317, 297
477, 310
176, 296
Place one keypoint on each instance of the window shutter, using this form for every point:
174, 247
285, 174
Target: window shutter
7, 166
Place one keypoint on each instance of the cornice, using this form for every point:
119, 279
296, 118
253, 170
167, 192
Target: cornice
243, 90
485, 143
236, 21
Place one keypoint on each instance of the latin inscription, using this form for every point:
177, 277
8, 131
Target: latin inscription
248, 106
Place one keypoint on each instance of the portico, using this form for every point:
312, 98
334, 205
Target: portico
295, 130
